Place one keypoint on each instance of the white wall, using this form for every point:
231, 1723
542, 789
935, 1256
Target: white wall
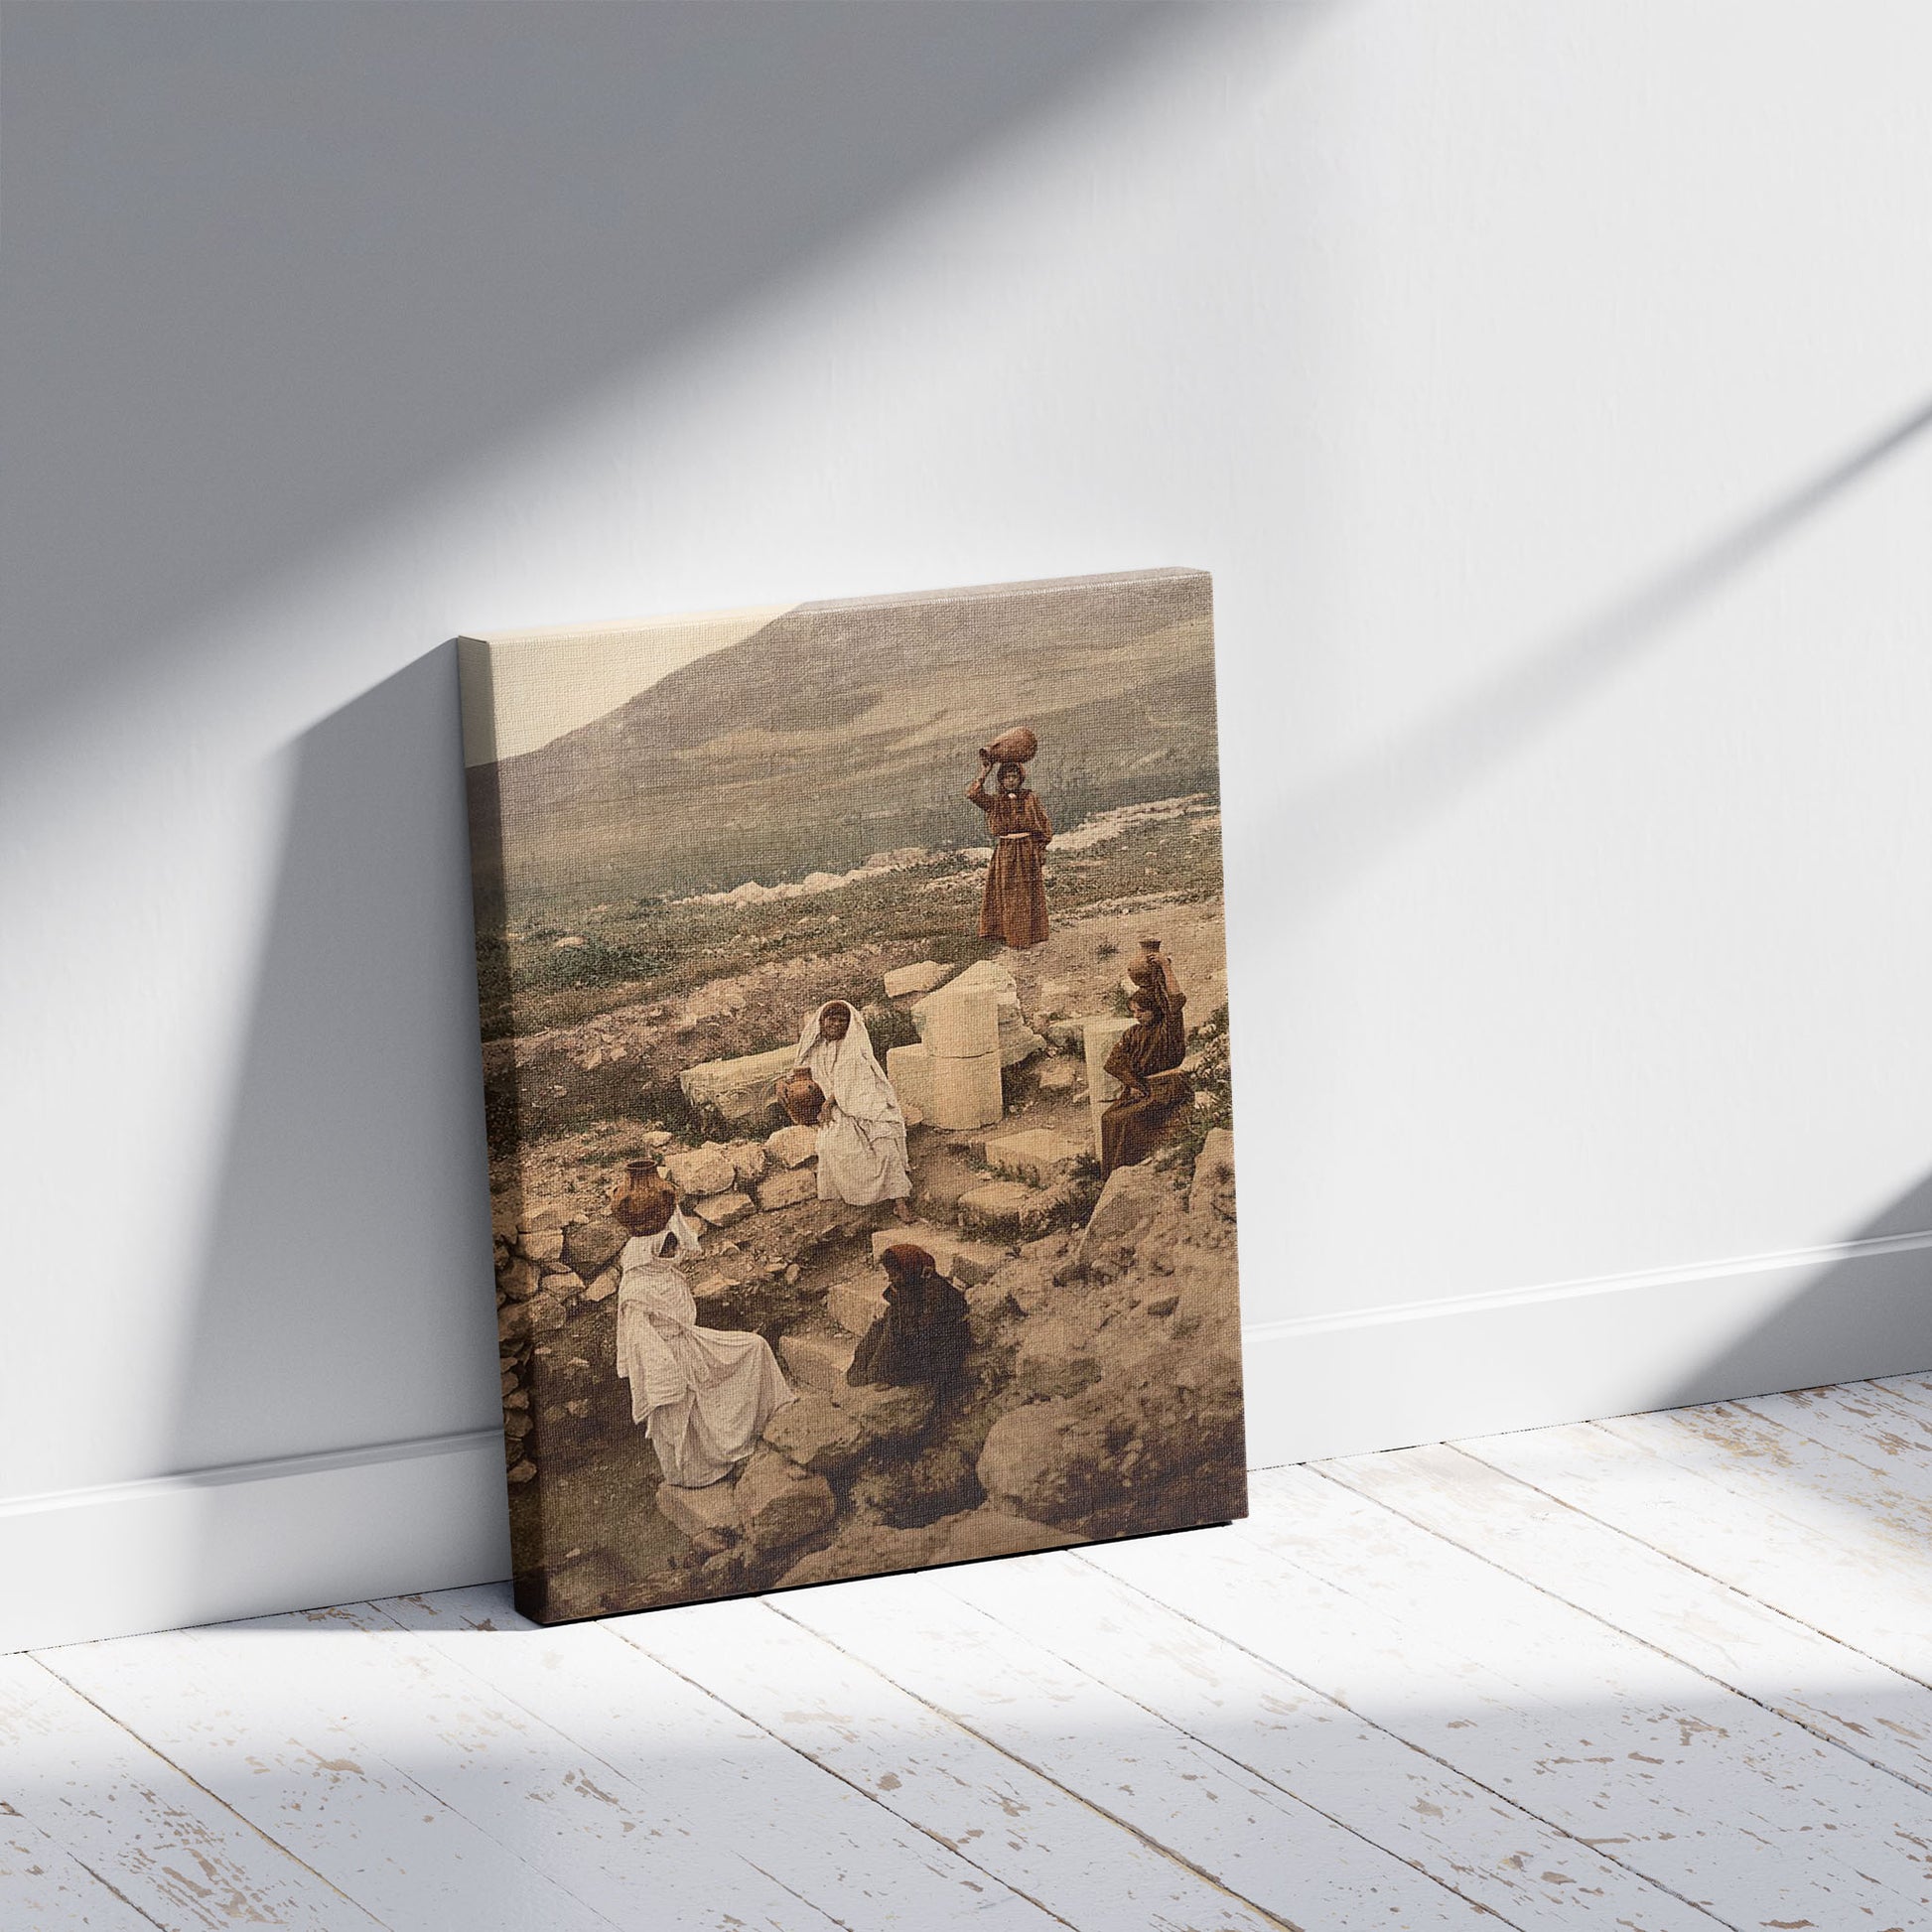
1543, 386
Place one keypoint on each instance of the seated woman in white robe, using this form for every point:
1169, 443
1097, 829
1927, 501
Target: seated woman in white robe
704, 1395
862, 1129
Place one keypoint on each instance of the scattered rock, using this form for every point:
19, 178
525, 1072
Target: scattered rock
923, 978
604, 1286
994, 1532
1045, 1462
706, 1170
1058, 1076
1161, 1304
524, 1471
721, 1210
519, 1280
747, 1160
1052, 1359
1125, 1211
787, 1190
591, 1246
546, 1313
781, 1504
541, 1244
564, 1285
539, 1215
791, 1147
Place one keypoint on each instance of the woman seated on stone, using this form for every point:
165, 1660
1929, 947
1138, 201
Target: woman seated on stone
704, 1395
1133, 1126
861, 1130
922, 1335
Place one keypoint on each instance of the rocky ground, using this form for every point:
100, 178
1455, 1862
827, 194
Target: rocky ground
1102, 1393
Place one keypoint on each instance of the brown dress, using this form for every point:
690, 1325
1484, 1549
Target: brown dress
1013, 907
1135, 1123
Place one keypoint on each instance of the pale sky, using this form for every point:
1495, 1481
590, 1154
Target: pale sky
523, 688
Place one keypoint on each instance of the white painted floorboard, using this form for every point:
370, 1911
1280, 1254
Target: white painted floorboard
1668, 1673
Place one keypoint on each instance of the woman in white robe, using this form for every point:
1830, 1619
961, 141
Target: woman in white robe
704, 1395
861, 1131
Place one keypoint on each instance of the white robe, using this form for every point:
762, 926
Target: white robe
704, 1395
862, 1131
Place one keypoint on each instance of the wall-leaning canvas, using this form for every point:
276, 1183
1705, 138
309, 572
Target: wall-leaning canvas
856, 1067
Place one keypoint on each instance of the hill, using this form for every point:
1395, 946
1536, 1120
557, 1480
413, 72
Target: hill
842, 729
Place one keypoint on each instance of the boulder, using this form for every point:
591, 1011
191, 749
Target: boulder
779, 1503
791, 1147
855, 1306
864, 1549
1053, 1359
591, 1246
1058, 1075
817, 1434
747, 1160
923, 978
1125, 1213
721, 1211
706, 1170
536, 1215
1040, 1157
565, 1285
547, 1314
789, 1188
541, 1244
740, 1092
604, 1286
887, 1415
959, 1022
817, 1361
1213, 1191
709, 1517
1048, 1461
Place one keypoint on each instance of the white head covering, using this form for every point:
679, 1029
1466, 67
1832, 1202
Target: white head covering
847, 1071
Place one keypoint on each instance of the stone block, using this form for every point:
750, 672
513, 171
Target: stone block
1058, 1075
1040, 1157
791, 1147
1100, 1034
909, 1069
1000, 1208
721, 1211
741, 1092
966, 1092
959, 1022
817, 1361
1016, 1040
703, 1169
779, 1503
856, 1305
709, 1517
923, 978
787, 1190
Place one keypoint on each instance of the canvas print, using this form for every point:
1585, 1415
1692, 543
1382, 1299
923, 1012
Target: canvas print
856, 1073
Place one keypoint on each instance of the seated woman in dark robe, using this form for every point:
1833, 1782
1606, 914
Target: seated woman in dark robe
1133, 1125
922, 1335
1153, 973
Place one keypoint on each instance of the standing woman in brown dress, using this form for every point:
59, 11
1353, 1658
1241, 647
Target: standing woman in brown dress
1013, 907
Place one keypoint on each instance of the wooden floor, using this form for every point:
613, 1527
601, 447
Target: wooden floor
1666, 1673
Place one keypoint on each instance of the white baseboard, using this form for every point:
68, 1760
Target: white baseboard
1527, 1358
253, 1538
334, 1528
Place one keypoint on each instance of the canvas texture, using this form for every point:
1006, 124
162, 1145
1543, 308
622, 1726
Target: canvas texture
855, 1030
